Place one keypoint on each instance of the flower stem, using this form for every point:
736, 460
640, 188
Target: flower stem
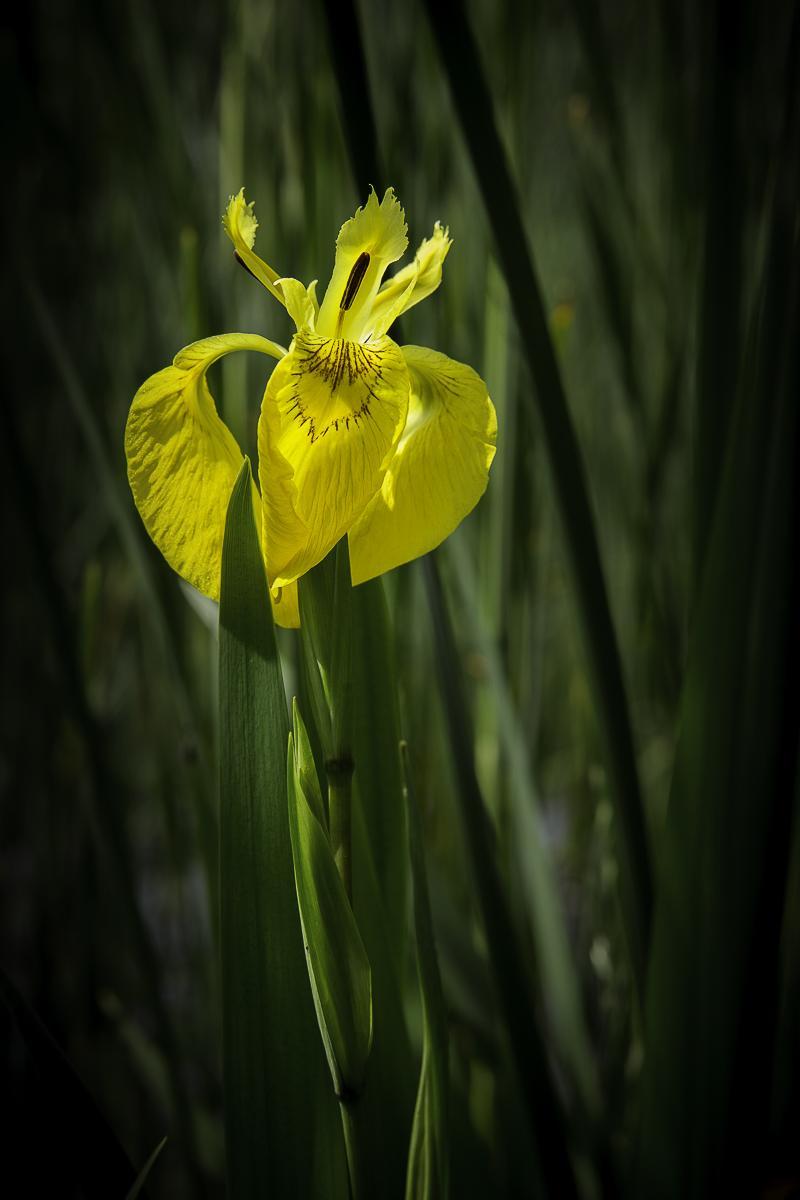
349, 1110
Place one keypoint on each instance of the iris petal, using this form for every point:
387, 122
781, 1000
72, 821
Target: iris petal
367, 244
411, 284
439, 469
332, 413
240, 224
183, 462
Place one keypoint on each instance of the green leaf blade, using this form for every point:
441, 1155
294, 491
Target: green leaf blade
379, 864
376, 737
277, 1100
428, 1174
338, 967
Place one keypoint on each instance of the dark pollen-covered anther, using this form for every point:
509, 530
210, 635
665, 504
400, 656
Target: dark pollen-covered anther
354, 282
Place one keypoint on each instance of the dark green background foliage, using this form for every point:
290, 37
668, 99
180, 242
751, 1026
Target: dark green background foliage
653, 149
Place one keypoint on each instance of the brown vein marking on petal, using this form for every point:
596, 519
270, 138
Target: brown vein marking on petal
335, 362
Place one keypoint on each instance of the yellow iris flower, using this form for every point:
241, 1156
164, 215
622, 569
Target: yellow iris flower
357, 435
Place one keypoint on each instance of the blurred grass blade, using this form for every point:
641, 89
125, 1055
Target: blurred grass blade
106, 819
428, 1175
785, 1107
500, 530
280, 1114
721, 296
556, 974
712, 990
129, 532
546, 1120
352, 81
141, 1178
591, 34
388, 1101
474, 108
338, 966
615, 286
48, 1110
117, 500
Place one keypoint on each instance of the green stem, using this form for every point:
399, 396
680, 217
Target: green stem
349, 1110
340, 810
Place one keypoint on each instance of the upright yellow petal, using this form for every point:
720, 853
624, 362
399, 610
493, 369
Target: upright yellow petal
332, 413
411, 284
183, 461
367, 244
240, 224
439, 469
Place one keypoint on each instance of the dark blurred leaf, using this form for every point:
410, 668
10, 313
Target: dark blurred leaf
141, 1178
616, 291
385, 1109
594, 44
473, 104
722, 298
52, 1125
428, 1175
712, 991
547, 1122
785, 1106
556, 975
107, 816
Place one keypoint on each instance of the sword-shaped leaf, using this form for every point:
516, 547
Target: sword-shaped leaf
428, 1175
282, 1128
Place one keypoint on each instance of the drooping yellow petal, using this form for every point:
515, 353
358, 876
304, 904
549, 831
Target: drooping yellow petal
183, 461
285, 605
367, 244
411, 284
332, 413
439, 469
240, 224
